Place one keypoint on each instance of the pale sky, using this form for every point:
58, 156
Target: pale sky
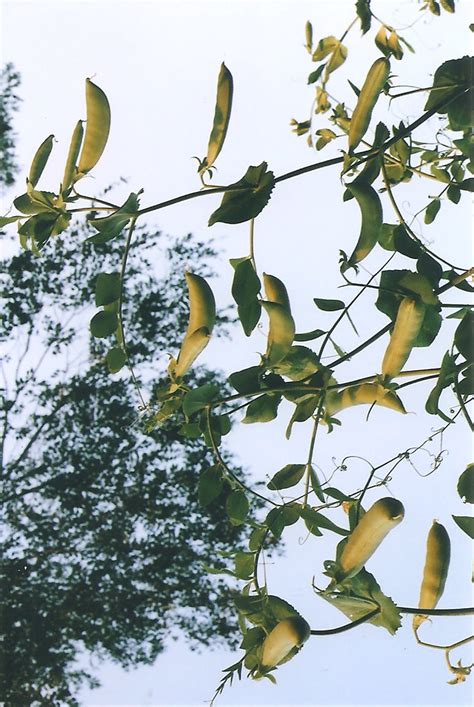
158, 63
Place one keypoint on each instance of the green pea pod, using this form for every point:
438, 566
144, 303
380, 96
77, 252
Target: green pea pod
368, 96
363, 394
97, 127
39, 160
287, 635
275, 291
202, 316
280, 334
369, 532
438, 552
408, 323
225, 89
372, 218
73, 154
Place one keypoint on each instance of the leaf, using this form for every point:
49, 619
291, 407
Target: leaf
257, 536
107, 288
466, 484
249, 315
298, 363
337, 58
225, 89
446, 378
466, 523
35, 202
103, 324
252, 638
321, 521
278, 518
116, 359
210, 485
5, 220
247, 380
395, 237
237, 507
254, 190
325, 47
463, 337
314, 75
262, 409
449, 79
432, 210
453, 193
316, 485
246, 283
110, 227
305, 407
199, 398
244, 565
364, 14
429, 268
309, 335
288, 476
328, 305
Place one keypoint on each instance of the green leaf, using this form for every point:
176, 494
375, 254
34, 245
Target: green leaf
252, 638
110, 227
237, 507
298, 363
335, 493
262, 409
364, 14
305, 407
5, 220
453, 193
449, 79
463, 337
210, 485
429, 268
278, 518
103, 324
246, 284
288, 476
254, 190
432, 210
316, 485
309, 335
244, 565
190, 430
107, 288
247, 380
249, 315
256, 538
199, 398
116, 359
446, 378
314, 75
395, 237
466, 523
466, 484
321, 521
467, 184
328, 305
27, 204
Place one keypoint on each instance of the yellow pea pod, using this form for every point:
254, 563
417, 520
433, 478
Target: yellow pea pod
275, 291
368, 96
363, 394
202, 316
280, 334
39, 160
225, 89
72, 155
287, 635
372, 528
408, 324
371, 220
438, 552
97, 127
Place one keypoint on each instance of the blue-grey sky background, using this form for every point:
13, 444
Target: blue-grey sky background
158, 63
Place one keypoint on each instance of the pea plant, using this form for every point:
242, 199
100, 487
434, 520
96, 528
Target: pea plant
374, 159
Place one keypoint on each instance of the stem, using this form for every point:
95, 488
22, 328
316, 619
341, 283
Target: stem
460, 611
252, 242
346, 627
310, 453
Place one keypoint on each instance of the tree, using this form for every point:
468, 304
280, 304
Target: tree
104, 536
9, 81
409, 285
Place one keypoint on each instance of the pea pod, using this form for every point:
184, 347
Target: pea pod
97, 127
438, 552
371, 529
287, 635
365, 393
408, 323
280, 334
275, 291
368, 96
202, 316
73, 153
39, 160
371, 223
225, 89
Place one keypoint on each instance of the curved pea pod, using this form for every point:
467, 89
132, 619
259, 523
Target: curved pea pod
372, 528
368, 96
371, 223
39, 160
73, 154
276, 291
363, 394
438, 553
202, 316
225, 90
287, 635
408, 323
280, 334
97, 127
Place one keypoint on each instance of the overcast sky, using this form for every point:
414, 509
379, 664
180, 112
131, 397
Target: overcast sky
158, 63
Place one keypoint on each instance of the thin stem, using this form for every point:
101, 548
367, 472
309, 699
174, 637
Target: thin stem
459, 611
449, 647
346, 627
462, 404
311, 452
252, 243
94, 198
